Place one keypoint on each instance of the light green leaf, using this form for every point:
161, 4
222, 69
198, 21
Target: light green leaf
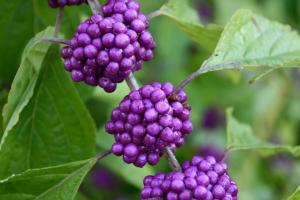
295, 195
262, 73
250, 40
104, 142
54, 128
57, 182
25, 80
188, 21
240, 136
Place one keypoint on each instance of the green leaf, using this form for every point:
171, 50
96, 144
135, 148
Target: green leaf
54, 128
295, 195
188, 21
262, 73
19, 21
57, 182
240, 136
25, 80
16, 22
250, 40
104, 142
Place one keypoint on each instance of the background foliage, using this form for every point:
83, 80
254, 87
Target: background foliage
52, 128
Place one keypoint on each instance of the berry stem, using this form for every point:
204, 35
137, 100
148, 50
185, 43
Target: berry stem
59, 18
154, 14
172, 160
103, 155
95, 6
56, 40
132, 82
188, 80
226, 154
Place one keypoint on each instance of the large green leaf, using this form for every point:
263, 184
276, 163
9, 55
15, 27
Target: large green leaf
57, 182
295, 195
19, 21
54, 128
16, 22
250, 40
104, 142
241, 137
25, 80
188, 21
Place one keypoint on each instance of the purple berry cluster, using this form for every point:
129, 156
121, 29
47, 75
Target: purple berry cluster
62, 3
106, 49
201, 179
148, 120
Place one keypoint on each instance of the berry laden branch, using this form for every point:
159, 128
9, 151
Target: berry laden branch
132, 83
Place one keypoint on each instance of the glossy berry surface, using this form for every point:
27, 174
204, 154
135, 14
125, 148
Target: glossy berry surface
62, 3
105, 50
201, 179
148, 120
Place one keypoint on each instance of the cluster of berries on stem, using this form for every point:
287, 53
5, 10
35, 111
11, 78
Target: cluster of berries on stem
62, 3
106, 49
148, 120
201, 179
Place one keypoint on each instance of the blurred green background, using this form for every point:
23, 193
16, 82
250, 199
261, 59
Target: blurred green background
271, 105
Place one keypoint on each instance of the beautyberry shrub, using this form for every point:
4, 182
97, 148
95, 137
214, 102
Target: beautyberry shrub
201, 179
106, 49
62, 3
148, 120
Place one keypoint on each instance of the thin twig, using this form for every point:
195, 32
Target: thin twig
187, 81
103, 155
132, 82
225, 156
56, 40
58, 22
172, 160
154, 14
95, 6
207, 68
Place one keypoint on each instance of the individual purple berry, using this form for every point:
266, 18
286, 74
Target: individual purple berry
138, 25
131, 150
122, 40
117, 149
192, 183
146, 117
62, 3
114, 44
77, 75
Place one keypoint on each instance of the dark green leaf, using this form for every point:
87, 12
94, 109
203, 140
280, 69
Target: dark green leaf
250, 40
54, 128
188, 21
240, 136
25, 80
58, 182
16, 22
